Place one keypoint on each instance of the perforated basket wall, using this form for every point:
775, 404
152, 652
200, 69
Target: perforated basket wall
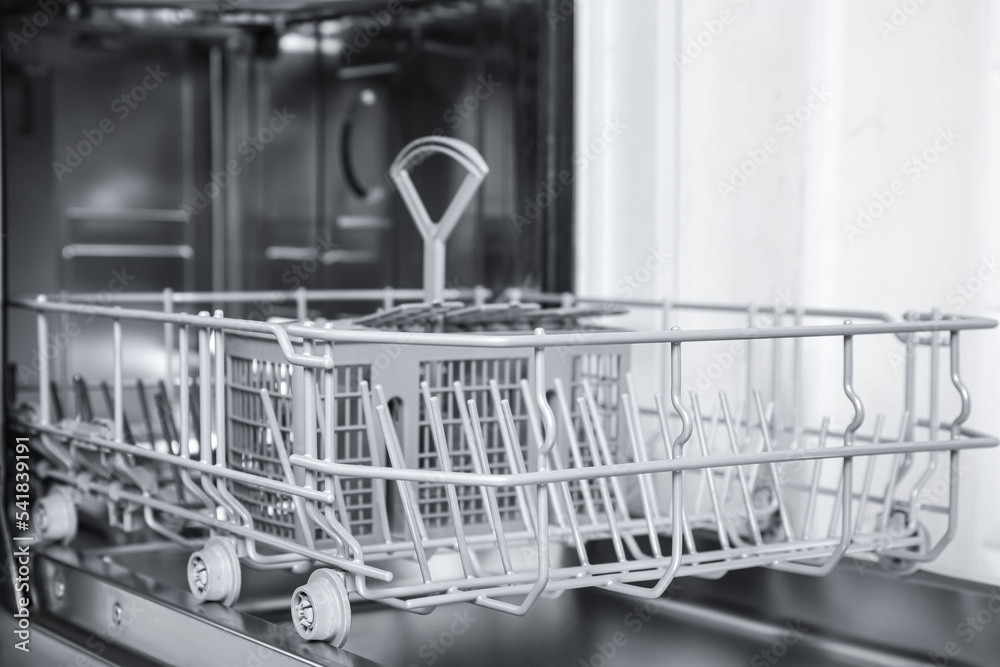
255, 363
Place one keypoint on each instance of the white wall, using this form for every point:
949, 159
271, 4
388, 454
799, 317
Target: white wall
894, 75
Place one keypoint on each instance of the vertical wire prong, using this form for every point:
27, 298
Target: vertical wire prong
717, 507
602, 482
747, 499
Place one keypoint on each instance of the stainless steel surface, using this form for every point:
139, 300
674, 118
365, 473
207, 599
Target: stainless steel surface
858, 615
53, 646
165, 625
750, 618
318, 186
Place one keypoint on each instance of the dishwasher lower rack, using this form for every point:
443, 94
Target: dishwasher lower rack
417, 469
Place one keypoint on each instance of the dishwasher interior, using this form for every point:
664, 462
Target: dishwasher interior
296, 366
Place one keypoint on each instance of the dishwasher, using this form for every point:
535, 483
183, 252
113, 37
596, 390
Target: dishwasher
244, 450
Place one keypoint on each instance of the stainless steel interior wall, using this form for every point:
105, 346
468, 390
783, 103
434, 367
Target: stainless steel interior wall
150, 155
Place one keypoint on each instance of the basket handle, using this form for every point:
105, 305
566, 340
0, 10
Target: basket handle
435, 234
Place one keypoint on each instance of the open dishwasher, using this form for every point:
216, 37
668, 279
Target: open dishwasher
462, 450
488, 472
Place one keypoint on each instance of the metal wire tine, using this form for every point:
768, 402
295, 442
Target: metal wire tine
907, 463
194, 401
170, 435
814, 486
534, 423
205, 396
161, 400
328, 415
702, 486
204, 493
640, 455
630, 386
340, 534
602, 482
479, 453
727, 473
410, 489
574, 449
205, 444
716, 423
519, 464
871, 461
221, 458
463, 414
709, 475
479, 464
185, 417
645, 446
110, 402
57, 409
567, 497
747, 499
743, 410
661, 414
140, 390
327, 522
894, 474
127, 436
157, 526
367, 410
786, 522
602, 447
338, 488
243, 515
506, 437
413, 520
433, 407
286, 466
838, 500
83, 410
763, 424
310, 416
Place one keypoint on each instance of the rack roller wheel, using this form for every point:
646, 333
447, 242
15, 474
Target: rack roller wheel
321, 610
902, 567
214, 572
56, 516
